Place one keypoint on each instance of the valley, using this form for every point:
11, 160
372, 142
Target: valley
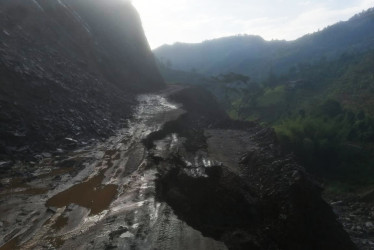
235, 143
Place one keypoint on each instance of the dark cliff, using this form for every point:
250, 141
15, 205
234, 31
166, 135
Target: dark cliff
68, 69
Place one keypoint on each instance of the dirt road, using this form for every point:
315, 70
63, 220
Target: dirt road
99, 197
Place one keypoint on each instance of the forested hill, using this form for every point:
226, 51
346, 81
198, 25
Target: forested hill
252, 55
317, 91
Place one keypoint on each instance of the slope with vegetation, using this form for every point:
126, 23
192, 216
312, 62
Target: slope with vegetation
317, 91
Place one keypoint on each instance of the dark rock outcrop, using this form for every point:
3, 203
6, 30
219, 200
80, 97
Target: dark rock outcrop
68, 69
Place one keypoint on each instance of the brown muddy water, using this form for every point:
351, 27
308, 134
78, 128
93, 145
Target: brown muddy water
10, 245
90, 194
61, 222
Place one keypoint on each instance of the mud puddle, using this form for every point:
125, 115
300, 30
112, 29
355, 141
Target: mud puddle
61, 222
90, 194
10, 245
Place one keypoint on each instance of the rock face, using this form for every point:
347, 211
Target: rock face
68, 69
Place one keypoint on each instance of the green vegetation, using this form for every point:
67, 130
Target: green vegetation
236, 92
332, 142
323, 112
317, 92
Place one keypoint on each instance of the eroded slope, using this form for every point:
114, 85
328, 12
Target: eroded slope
68, 69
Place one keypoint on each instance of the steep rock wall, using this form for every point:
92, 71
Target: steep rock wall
68, 69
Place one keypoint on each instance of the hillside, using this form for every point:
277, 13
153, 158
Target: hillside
68, 69
316, 91
322, 111
253, 56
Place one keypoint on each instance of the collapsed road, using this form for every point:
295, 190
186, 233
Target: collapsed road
180, 176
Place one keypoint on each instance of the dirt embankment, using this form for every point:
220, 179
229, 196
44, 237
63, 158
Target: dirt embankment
230, 181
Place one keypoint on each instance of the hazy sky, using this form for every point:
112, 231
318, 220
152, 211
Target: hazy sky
169, 21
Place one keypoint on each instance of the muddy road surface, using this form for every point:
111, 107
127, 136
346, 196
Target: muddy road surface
100, 197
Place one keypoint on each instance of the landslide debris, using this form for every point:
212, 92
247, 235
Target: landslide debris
236, 186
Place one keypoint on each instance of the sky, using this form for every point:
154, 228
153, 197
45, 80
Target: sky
192, 21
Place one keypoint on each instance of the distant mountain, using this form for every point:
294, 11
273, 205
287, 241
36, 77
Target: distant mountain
253, 56
317, 91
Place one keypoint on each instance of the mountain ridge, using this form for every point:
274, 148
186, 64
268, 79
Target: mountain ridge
257, 59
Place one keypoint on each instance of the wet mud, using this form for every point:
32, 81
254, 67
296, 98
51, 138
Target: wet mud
10, 245
60, 222
106, 190
90, 194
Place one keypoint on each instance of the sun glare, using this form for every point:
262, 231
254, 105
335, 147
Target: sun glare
170, 21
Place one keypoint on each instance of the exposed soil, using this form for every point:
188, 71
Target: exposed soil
237, 173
